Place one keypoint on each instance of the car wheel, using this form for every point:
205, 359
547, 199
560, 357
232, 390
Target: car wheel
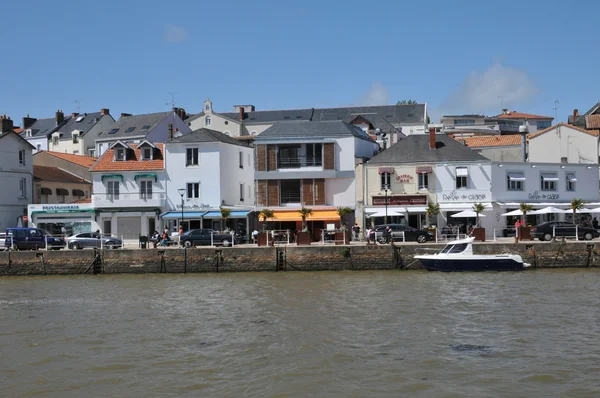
73, 245
110, 245
588, 236
547, 237
382, 240
226, 243
187, 243
421, 239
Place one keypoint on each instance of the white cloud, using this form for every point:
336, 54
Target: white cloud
377, 95
488, 91
175, 34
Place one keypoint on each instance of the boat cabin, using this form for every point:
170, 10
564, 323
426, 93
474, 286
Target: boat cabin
462, 246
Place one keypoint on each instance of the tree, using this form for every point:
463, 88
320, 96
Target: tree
478, 208
576, 204
305, 212
525, 208
225, 213
264, 214
342, 212
433, 209
407, 102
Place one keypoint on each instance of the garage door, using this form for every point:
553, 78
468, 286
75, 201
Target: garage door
129, 227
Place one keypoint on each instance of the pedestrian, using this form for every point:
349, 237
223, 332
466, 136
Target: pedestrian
388, 234
356, 230
595, 223
517, 226
368, 236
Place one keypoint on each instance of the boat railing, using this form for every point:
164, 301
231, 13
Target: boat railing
447, 234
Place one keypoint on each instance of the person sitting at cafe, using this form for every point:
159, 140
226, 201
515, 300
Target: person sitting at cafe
155, 238
165, 239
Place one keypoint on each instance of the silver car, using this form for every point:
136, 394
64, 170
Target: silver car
92, 239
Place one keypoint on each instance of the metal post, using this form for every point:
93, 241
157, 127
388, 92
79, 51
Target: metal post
212, 240
386, 204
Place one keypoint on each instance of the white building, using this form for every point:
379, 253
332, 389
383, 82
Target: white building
63, 219
129, 185
38, 131
564, 143
16, 178
213, 170
77, 134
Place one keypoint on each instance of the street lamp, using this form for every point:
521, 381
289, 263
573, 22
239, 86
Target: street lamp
181, 192
385, 188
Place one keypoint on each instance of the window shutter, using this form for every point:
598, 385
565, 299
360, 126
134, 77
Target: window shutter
319, 192
307, 192
261, 158
272, 157
261, 193
328, 156
273, 193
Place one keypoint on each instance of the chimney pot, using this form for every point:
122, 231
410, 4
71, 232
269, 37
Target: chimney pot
575, 114
105, 111
241, 113
74, 114
60, 117
432, 138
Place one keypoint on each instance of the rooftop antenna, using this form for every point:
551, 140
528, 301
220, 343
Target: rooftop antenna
172, 103
77, 105
556, 102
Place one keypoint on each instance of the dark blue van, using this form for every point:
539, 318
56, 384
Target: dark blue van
31, 239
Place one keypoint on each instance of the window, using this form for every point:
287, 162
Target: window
191, 157
22, 188
207, 107
385, 181
515, 181
423, 180
22, 157
241, 192
314, 155
461, 177
130, 129
146, 189
241, 160
145, 127
571, 180
112, 189
75, 138
92, 152
120, 154
548, 181
193, 190
207, 121
113, 131
543, 125
147, 154
55, 140
39, 147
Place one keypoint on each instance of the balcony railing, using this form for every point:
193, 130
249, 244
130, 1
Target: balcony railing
299, 162
293, 197
129, 199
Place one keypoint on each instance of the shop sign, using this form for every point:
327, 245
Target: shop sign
60, 207
404, 200
404, 178
535, 195
463, 197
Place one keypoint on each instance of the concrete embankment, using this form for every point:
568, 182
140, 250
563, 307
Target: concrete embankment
291, 258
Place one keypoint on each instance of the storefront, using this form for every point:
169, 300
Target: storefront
213, 219
63, 219
400, 209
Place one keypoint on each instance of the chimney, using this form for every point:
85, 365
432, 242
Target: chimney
170, 131
125, 114
181, 113
60, 117
432, 138
241, 113
575, 114
28, 122
505, 111
5, 124
105, 111
74, 115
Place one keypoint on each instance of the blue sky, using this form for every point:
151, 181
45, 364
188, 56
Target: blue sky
459, 56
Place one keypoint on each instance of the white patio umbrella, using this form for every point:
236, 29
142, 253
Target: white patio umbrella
547, 210
596, 210
466, 214
381, 213
517, 212
579, 211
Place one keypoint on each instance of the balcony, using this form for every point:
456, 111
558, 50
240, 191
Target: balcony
155, 199
298, 162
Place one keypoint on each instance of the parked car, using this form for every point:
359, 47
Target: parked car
202, 237
31, 238
545, 230
410, 234
2, 240
92, 239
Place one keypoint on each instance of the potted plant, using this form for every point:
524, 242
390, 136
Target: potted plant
433, 209
524, 230
576, 204
478, 232
343, 234
303, 237
263, 236
225, 213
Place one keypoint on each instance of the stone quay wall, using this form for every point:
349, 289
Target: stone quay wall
290, 258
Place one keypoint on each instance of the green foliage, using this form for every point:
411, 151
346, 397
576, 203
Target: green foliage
433, 209
407, 102
225, 213
342, 212
264, 215
305, 212
525, 208
478, 208
576, 204
345, 252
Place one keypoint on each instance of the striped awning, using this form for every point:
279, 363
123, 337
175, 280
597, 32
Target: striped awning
294, 215
146, 175
383, 170
115, 176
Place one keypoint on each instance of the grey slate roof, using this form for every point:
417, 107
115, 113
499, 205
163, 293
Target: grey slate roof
43, 127
307, 129
207, 135
415, 149
382, 117
136, 122
581, 120
88, 121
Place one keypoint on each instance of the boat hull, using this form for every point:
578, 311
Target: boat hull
461, 265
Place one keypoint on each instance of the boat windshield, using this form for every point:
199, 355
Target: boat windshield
458, 248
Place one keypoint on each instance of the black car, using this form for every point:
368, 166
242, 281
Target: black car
410, 234
206, 237
31, 239
545, 231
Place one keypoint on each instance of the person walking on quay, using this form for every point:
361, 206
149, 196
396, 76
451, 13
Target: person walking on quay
517, 226
356, 230
595, 223
388, 234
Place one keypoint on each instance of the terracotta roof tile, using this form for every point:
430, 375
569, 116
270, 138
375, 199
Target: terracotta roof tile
519, 115
85, 161
133, 162
54, 174
84, 200
592, 121
491, 140
590, 132
18, 130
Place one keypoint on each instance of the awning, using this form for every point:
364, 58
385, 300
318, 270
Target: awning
147, 175
424, 169
549, 177
317, 215
46, 191
516, 176
175, 215
416, 209
570, 177
461, 206
461, 172
383, 170
78, 192
62, 191
234, 214
396, 209
105, 176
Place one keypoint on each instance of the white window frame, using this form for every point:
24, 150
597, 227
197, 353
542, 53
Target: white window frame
119, 154
548, 186
514, 185
385, 179
145, 189
112, 189
22, 157
423, 180
571, 185
207, 121
195, 161
144, 149
190, 187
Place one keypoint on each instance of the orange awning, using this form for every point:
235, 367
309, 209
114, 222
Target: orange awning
317, 215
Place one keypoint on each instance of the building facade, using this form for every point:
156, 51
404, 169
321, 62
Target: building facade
564, 143
77, 135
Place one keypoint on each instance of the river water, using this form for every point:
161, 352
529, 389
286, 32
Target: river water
346, 334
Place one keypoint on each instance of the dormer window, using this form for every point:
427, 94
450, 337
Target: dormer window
146, 153
207, 121
119, 154
28, 133
55, 140
75, 138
